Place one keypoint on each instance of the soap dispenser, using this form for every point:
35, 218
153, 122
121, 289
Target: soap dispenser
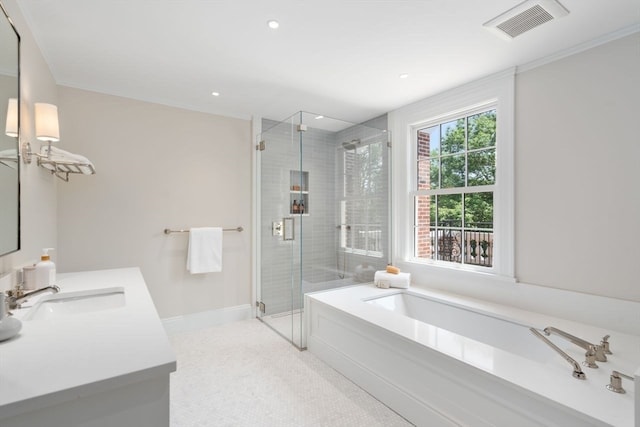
45, 270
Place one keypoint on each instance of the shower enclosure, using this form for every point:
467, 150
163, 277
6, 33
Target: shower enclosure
323, 211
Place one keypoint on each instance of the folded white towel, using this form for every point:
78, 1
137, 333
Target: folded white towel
204, 254
67, 162
382, 279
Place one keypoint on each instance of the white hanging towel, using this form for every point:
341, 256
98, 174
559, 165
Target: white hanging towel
204, 254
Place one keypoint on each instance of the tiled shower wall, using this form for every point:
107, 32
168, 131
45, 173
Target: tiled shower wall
313, 254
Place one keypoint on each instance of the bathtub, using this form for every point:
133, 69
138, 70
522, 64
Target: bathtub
443, 360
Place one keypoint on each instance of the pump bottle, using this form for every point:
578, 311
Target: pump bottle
45, 270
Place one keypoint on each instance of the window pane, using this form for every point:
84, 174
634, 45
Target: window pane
422, 240
432, 210
482, 167
422, 210
478, 210
478, 217
450, 210
452, 136
482, 130
452, 173
434, 172
453, 155
449, 245
479, 247
424, 175
428, 141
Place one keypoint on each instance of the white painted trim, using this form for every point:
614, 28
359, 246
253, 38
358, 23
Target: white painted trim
497, 89
618, 34
205, 319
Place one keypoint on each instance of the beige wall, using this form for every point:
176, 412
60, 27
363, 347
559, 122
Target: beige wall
157, 167
577, 184
38, 188
577, 202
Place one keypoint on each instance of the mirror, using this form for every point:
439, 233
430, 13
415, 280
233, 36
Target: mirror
9, 159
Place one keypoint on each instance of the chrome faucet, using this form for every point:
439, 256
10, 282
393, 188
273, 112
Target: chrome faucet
16, 296
599, 349
577, 372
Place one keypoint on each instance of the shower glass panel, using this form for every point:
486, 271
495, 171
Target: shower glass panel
324, 212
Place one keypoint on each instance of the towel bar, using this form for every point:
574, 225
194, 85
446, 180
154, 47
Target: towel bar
169, 231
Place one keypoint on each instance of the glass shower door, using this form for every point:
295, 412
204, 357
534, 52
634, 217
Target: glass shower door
279, 301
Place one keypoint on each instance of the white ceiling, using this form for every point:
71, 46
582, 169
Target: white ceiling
340, 58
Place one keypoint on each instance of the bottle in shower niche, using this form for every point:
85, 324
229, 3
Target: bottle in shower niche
301, 207
295, 208
45, 270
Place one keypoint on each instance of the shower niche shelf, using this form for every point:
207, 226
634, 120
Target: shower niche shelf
299, 193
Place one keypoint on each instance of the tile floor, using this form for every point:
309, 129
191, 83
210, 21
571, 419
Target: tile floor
244, 374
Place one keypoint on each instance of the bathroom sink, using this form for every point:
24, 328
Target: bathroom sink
69, 303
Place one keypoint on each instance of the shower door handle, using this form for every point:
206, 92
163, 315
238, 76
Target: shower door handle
288, 228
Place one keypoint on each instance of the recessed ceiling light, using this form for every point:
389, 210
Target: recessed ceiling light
273, 24
215, 93
403, 75
319, 117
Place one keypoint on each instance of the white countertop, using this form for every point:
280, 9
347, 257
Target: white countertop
551, 379
55, 361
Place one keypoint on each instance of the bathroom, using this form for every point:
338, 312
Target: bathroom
161, 166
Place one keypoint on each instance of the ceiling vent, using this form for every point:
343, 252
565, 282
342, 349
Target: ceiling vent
526, 16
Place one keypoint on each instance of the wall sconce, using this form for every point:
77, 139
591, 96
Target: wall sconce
47, 130
11, 128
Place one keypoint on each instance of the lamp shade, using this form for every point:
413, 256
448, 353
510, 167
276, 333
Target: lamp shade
47, 122
12, 118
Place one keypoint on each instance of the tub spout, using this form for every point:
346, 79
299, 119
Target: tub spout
577, 371
599, 349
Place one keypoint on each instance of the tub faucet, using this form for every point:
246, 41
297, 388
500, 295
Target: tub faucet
599, 349
605, 345
16, 296
577, 372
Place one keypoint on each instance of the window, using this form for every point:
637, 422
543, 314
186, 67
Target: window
453, 197
453, 182
363, 209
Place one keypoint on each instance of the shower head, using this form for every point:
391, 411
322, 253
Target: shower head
350, 145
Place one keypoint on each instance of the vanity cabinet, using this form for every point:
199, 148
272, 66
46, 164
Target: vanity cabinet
98, 368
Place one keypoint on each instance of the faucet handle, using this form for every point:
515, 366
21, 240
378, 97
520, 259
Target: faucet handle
605, 344
615, 384
590, 358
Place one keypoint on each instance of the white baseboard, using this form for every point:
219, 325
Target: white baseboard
205, 319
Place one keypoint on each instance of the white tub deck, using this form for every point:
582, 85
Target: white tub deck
440, 359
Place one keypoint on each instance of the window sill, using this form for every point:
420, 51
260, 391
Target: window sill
456, 271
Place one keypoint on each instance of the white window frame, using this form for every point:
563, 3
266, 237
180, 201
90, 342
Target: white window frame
496, 90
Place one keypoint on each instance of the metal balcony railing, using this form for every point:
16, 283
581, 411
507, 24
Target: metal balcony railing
471, 245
